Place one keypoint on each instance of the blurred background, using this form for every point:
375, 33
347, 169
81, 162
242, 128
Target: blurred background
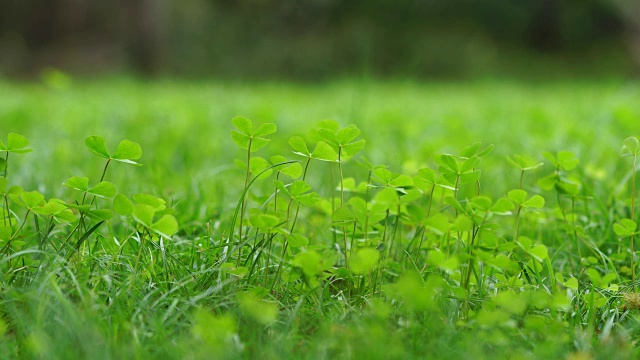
320, 39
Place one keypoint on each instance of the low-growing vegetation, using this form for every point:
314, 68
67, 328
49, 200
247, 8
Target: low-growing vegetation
322, 254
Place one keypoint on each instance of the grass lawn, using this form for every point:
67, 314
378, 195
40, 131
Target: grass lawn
365, 222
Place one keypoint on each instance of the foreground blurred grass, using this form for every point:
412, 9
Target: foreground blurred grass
183, 128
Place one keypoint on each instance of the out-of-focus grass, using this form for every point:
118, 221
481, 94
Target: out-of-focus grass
183, 127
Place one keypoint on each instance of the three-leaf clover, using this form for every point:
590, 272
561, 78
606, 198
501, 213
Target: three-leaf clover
126, 152
519, 198
293, 171
299, 191
459, 171
16, 143
322, 151
246, 137
625, 227
103, 189
166, 226
559, 179
146, 209
630, 147
342, 140
386, 178
524, 163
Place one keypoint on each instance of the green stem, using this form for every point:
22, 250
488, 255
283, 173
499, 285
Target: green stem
341, 177
564, 216
344, 229
521, 178
6, 164
6, 204
21, 225
396, 224
573, 225
633, 201
275, 196
518, 223
295, 218
246, 183
424, 229
104, 171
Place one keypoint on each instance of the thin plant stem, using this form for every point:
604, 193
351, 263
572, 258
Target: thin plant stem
573, 224
344, 229
6, 204
104, 171
6, 201
275, 196
246, 183
518, 223
295, 218
6, 165
633, 216
564, 215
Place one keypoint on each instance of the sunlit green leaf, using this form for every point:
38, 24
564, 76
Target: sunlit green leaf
143, 214
448, 163
539, 252
243, 124
346, 135
166, 226
103, 189
625, 227
122, 205
342, 216
127, 151
536, 202
100, 214
52, 207
240, 139
16, 143
353, 148
299, 146
258, 143
325, 152
5, 233
96, 145
78, 183
155, 202
265, 129
32, 198
571, 283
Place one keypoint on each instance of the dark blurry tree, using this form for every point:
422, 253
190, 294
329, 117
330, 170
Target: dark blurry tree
145, 29
545, 33
310, 38
630, 10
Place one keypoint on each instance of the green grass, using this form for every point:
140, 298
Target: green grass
447, 256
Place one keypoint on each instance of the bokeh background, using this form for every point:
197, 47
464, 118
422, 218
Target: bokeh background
319, 39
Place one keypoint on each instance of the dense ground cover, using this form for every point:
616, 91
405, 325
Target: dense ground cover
413, 242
